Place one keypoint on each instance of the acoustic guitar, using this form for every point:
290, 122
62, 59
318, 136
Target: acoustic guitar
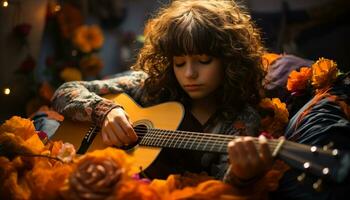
156, 129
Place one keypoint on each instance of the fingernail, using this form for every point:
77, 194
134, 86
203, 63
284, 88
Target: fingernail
231, 144
262, 138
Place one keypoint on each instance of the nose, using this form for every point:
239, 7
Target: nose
190, 71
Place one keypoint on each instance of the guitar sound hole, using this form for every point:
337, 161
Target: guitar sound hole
141, 131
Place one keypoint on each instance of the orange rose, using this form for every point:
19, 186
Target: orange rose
298, 80
21, 127
324, 72
88, 38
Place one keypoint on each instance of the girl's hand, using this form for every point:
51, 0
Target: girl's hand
246, 161
117, 129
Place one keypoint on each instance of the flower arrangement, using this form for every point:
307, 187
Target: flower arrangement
274, 116
32, 169
319, 76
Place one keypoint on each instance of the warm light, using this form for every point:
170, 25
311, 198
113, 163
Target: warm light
57, 8
5, 4
7, 91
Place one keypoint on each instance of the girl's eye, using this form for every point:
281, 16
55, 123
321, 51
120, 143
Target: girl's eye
179, 64
206, 61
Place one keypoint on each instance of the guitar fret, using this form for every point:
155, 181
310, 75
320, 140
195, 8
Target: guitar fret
162, 142
199, 143
157, 139
175, 139
181, 140
212, 145
206, 143
186, 143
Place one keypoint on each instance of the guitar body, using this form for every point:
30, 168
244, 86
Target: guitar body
166, 116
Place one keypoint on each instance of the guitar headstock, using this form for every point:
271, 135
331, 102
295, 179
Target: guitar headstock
322, 162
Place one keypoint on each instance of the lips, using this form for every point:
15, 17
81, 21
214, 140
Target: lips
192, 87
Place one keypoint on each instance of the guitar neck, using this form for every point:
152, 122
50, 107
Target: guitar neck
207, 142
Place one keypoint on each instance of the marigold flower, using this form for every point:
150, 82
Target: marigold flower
91, 65
298, 81
324, 72
268, 59
21, 127
71, 74
274, 124
46, 178
88, 38
133, 189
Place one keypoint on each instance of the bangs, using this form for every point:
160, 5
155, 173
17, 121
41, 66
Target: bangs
189, 35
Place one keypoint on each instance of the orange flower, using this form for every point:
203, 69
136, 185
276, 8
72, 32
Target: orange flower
98, 173
88, 38
298, 80
132, 189
119, 156
47, 178
274, 124
268, 59
91, 65
70, 74
21, 127
324, 72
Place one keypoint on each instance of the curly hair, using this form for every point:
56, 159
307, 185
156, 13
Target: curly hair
218, 28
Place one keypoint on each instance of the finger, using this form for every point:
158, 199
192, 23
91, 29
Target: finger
265, 153
232, 154
128, 129
113, 138
251, 151
105, 138
240, 152
120, 134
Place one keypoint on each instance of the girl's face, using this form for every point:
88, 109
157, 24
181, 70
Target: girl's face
198, 75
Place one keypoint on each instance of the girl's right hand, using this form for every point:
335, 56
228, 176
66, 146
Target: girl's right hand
117, 129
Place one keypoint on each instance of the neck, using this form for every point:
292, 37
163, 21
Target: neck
203, 108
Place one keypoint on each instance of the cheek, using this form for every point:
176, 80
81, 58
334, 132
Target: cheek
177, 73
216, 76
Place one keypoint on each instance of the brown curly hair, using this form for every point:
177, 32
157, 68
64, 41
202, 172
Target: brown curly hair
219, 28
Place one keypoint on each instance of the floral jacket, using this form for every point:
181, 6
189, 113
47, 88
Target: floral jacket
82, 101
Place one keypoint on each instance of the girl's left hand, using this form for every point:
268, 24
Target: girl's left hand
247, 162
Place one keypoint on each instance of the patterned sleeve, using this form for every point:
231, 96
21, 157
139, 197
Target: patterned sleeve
82, 101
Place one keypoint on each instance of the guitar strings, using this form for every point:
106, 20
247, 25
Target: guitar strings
191, 137
190, 143
185, 134
196, 134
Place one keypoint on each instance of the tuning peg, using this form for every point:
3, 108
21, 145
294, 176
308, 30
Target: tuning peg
328, 146
301, 177
313, 149
335, 152
317, 185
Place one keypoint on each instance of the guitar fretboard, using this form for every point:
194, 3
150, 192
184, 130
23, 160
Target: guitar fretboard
207, 142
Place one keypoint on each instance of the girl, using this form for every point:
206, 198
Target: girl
204, 54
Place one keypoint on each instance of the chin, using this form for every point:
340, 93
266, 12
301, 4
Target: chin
196, 95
